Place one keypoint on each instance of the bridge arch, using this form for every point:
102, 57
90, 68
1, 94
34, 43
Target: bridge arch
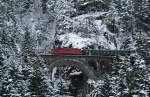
83, 66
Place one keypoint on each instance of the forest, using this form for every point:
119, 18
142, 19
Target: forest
30, 28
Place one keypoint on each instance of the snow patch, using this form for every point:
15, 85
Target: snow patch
95, 84
10, 80
79, 42
96, 14
53, 73
75, 73
75, 40
105, 36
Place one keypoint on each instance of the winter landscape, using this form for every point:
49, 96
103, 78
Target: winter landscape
74, 48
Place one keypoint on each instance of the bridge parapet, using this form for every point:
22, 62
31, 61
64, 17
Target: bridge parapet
108, 52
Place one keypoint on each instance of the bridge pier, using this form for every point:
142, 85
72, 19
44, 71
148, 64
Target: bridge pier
92, 66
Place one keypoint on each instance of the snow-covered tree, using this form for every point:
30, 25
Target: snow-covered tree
131, 77
61, 11
30, 27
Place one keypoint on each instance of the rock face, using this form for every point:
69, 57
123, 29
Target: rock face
33, 27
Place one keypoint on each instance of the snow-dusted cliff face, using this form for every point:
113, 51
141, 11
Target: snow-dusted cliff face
30, 27
101, 38
106, 24
81, 23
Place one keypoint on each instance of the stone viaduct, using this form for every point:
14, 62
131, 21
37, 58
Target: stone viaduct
93, 64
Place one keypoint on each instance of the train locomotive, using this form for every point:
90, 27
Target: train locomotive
66, 51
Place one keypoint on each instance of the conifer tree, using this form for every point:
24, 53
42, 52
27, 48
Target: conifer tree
106, 89
130, 77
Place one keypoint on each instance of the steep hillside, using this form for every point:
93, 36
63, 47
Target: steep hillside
29, 28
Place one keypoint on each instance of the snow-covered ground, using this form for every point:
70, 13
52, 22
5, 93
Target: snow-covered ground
96, 14
103, 37
75, 40
79, 42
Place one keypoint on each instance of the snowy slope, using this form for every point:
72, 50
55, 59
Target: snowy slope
103, 37
75, 40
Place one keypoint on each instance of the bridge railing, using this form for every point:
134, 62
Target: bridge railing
109, 52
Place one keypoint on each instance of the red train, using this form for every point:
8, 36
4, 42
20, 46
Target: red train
75, 51
66, 51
